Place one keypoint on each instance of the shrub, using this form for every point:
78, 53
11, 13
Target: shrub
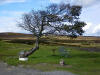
53, 52
63, 52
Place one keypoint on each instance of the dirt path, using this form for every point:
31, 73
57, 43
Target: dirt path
11, 70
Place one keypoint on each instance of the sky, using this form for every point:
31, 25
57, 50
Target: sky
12, 10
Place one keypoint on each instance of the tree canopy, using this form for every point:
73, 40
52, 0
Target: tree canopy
54, 19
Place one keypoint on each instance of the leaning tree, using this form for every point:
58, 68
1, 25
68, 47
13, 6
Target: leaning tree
55, 18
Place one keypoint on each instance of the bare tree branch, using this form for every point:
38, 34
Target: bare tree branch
61, 17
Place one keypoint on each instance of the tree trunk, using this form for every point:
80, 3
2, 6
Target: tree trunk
27, 53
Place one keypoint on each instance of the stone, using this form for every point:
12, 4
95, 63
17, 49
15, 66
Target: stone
23, 59
62, 63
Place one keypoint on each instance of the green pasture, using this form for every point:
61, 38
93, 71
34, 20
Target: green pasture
80, 61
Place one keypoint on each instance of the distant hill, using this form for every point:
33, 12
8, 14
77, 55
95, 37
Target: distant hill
14, 35
11, 35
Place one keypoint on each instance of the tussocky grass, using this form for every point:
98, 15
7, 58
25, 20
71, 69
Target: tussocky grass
80, 62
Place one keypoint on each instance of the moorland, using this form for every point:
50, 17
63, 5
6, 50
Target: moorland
84, 52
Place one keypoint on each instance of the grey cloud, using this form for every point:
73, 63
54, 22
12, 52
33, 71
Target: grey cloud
84, 3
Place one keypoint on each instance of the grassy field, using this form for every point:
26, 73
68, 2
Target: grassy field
84, 57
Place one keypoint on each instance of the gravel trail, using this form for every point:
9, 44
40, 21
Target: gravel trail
11, 70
